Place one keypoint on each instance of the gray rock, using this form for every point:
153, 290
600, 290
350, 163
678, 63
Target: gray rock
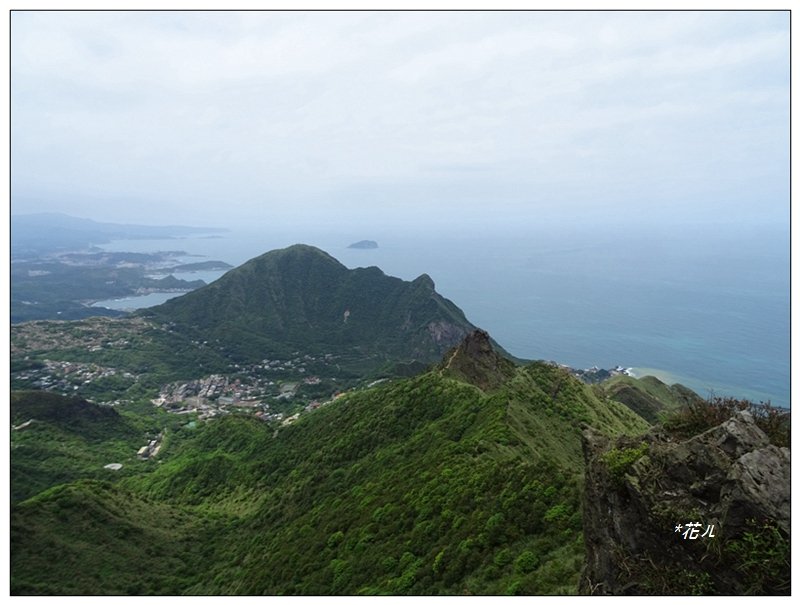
727, 476
738, 435
758, 486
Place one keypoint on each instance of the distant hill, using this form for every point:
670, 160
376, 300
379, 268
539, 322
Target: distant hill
365, 244
302, 299
647, 396
34, 234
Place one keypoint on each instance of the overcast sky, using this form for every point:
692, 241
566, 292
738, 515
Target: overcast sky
241, 117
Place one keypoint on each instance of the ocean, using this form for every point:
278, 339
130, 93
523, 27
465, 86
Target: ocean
706, 306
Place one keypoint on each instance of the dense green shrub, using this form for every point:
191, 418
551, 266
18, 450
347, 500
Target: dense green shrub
618, 461
763, 557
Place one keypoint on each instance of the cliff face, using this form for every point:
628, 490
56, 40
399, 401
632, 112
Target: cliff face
642, 495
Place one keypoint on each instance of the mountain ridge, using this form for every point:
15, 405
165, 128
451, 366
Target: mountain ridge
302, 298
422, 485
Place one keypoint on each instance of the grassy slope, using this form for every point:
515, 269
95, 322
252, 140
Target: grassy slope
647, 396
69, 439
426, 485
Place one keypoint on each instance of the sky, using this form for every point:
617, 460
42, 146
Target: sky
473, 118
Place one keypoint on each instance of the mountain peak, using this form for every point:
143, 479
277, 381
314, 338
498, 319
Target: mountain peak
299, 250
302, 298
425, 281
476, 361
299, 259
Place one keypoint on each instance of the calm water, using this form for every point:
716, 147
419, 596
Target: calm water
700, 306
130, 303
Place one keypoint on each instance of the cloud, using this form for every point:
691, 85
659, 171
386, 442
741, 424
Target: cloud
254, 106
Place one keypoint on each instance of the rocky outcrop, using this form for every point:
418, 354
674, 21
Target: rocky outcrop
642, 495
475, 361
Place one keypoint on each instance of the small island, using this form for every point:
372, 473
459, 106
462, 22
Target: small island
364, 244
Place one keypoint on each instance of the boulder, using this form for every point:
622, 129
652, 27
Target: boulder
729, 479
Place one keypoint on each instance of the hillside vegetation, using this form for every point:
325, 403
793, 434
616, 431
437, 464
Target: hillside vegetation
57, 439
297, 427
302, 299
427, 485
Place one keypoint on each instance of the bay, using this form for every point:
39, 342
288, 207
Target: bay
130, 303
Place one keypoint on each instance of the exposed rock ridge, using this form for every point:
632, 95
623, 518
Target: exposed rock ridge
638, 491
476, 361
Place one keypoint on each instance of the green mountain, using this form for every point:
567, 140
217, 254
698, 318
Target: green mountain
647, 396
464, 479
302, 299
